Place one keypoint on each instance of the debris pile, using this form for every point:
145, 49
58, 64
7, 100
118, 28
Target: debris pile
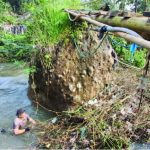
112, 119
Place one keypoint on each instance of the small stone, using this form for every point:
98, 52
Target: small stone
129, 125
77, 72
129, 110
84, 72
91, 70
54, 120
92, 102
148, 131
114, 117
83, 76
52, 70
96, 80
48, 145
60, 76
79, 85
77, 98
33, 86
63, 73
72, 87
73, 79
123, 112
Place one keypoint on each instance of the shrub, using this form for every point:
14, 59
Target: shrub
14, 47
122, 48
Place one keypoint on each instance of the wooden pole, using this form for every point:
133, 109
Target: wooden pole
137, 40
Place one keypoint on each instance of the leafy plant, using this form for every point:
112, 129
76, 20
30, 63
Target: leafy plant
15, 47
48, 60
30, 70
122, 49
24, 66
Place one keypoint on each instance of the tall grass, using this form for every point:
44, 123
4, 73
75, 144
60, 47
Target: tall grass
49, 23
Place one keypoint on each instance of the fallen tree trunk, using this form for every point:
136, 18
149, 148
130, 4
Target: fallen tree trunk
139, 24
130, 20
137, 40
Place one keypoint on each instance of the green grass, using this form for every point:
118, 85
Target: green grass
49, 23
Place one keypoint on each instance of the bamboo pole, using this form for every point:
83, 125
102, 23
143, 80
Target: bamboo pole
138, 24
137, 40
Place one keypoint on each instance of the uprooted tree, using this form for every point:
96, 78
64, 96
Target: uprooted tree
73, 71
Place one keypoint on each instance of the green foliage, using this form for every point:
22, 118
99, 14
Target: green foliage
5, 13
17, 5
24, 66
97, 4
30, 70
49, 23
142, 5
124, 53
47, 60
15, 47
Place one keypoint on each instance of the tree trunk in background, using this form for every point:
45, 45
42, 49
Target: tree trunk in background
135, 6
